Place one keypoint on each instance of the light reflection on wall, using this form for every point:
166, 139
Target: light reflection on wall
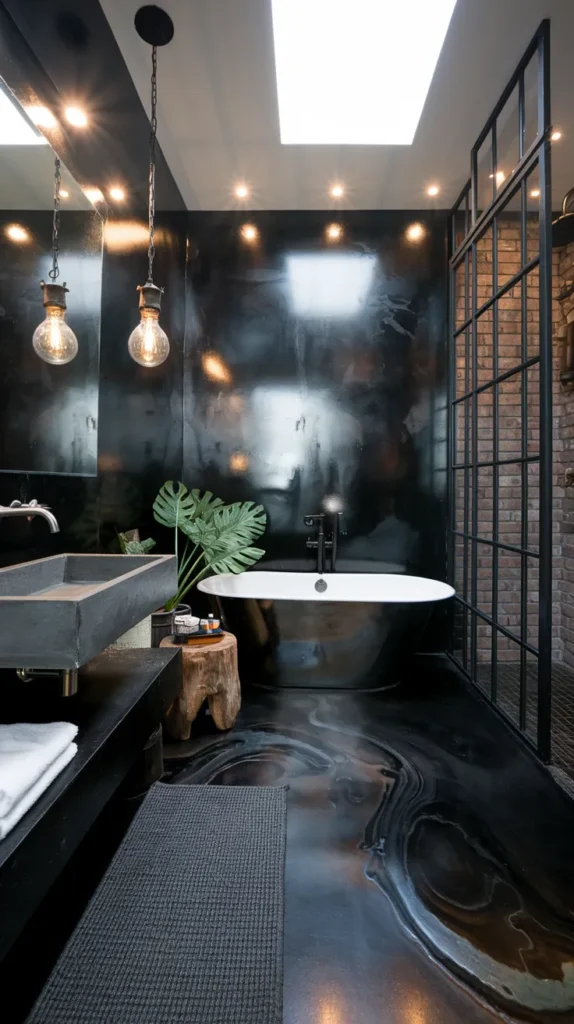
330, 285
298, 432
71, 418
290, 442
215, 368
124, 235
239, 462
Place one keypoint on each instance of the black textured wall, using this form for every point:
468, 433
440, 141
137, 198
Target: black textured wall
316, 368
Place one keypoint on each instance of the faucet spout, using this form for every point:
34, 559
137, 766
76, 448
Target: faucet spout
50, 518
29, 510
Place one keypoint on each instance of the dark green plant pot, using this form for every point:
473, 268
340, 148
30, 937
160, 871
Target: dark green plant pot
162, 622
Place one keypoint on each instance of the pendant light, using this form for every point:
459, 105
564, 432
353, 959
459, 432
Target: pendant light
54, 340
148, 344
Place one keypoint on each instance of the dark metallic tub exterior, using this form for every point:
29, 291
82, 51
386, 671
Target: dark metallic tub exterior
322, 644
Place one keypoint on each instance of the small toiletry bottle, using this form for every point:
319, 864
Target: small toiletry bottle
210, 621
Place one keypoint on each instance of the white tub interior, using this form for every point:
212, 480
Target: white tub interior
381, 588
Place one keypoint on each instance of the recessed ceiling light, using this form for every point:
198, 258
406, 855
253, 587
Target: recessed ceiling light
556, 136
15, 129
249, 233
95, 195
64, 194
333, 87
41, 116
76, 116
337, 191
118, 193
433, 190
415, 232
16, 233
334, 232
535, 193
241, 191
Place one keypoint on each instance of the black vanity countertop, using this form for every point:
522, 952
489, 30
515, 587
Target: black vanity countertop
121, 698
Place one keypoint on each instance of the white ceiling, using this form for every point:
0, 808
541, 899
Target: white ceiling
218, 120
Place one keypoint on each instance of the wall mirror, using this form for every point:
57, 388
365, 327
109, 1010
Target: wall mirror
48, 413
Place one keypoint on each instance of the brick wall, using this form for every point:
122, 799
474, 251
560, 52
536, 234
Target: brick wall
563, 459
509, 445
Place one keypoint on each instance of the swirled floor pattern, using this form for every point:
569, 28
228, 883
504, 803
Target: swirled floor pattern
429, 856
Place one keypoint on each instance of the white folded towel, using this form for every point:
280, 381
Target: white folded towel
26, 751
29, 798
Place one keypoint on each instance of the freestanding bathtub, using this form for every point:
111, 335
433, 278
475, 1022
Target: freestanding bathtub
349, 630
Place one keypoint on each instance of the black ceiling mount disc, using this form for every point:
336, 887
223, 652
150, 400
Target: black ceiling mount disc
154, 25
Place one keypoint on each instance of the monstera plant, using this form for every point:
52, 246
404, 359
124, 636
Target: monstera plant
210, 536
130, 543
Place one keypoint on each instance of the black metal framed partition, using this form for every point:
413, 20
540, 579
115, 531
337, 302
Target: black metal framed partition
500, 405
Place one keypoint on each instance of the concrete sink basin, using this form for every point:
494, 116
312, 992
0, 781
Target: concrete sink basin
58, 612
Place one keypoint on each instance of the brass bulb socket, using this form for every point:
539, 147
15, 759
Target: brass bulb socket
54, 294
150, 296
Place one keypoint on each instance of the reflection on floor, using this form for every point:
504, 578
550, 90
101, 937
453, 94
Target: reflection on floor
429, 856
508, 684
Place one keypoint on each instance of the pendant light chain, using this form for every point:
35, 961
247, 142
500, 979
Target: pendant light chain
152, 147
54, 273
148, 344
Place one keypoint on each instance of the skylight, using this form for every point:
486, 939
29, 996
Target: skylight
355, 72
15, 128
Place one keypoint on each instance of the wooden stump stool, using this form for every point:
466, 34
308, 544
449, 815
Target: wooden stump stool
208, 672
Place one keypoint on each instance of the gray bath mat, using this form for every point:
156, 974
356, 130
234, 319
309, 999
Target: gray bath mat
186, 927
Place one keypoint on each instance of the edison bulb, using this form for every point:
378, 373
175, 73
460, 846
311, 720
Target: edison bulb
54, 340
148, 343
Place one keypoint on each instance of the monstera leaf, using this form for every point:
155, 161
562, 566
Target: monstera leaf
229, 526
175, 506
205, 505
236, 559
130, 546
223, 534
227, 540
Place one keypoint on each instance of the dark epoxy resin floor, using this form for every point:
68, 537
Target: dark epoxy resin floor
430, 858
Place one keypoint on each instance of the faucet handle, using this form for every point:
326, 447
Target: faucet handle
16, 504
338, 522
34, 503
311, 520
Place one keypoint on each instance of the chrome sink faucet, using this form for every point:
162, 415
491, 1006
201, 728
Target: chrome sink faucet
31, 509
